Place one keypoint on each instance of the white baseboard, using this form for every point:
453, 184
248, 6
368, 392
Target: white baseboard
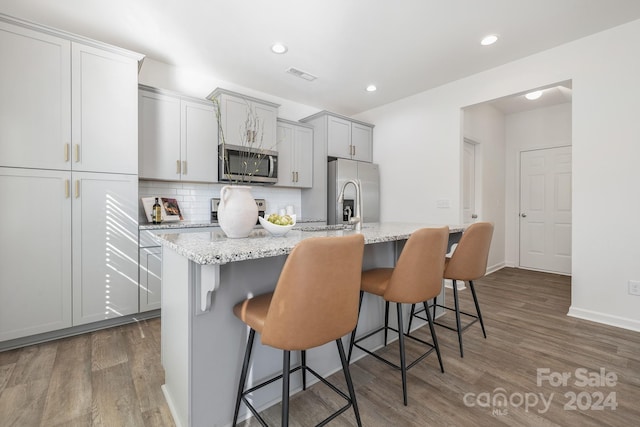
607, 319
496, 267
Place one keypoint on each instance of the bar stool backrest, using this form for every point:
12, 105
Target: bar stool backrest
316, 297
417, 276
469, 260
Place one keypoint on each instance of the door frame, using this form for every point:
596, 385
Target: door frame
477, 177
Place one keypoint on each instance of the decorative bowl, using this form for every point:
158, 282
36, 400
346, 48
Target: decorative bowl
274, 229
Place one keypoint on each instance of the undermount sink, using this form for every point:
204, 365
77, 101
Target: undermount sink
320, 227
326, 227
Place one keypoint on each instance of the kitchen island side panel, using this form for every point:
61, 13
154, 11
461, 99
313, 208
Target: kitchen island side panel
202, 353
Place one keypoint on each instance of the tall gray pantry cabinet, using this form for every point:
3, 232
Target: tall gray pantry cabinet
68, 180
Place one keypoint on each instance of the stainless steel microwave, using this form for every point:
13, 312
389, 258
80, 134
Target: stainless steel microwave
246, 164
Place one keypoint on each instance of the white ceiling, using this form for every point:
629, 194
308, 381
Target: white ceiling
403, 47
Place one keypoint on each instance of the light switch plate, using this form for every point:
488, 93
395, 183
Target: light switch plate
634, 287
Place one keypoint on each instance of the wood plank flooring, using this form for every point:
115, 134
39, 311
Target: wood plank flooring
112, 377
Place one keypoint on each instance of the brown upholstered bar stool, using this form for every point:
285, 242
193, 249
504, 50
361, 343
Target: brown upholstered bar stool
315, 302
468, 263
417, 277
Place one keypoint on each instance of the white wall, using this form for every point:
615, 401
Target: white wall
417, 144
540, 128
486, 125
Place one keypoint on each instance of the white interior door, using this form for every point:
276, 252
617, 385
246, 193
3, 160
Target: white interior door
545, 209
469, 214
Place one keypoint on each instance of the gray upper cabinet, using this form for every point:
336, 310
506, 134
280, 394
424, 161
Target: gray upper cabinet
347, 138
66, 105
295, 154
178, 137
234, 108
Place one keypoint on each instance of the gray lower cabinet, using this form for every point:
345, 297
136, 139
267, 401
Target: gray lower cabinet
70, 250
149, 272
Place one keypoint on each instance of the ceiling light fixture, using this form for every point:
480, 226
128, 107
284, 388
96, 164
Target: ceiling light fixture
489, 40
371, 88
533, 95
279, 48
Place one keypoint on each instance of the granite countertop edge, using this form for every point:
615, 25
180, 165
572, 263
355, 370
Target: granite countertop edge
213, 247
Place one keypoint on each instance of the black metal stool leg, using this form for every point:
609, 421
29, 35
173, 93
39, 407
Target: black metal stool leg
433, 335
353, 333
457, 304
386, 321
303, 362
286, 359
475, 301
243, 374
413, 308
347, 377
435, 305
403, 362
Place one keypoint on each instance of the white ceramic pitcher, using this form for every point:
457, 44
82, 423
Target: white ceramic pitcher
237, 211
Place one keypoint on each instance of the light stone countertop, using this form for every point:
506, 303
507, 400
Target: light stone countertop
215, 248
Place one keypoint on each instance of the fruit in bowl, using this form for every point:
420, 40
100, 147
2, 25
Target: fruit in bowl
278, 225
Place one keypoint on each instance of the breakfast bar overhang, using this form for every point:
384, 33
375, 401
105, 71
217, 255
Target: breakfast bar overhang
204, 275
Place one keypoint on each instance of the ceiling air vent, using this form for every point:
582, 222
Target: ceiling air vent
301, 74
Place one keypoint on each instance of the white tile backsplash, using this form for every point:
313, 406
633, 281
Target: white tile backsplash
195, 199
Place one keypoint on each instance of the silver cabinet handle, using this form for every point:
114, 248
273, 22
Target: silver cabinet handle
77, 152
474, 216
523, 215
184, 167
66, 188
77, 188
177, 166
66, 152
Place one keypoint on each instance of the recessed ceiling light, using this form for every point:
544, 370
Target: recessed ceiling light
489, 40
533, 95
371, 88
279, 48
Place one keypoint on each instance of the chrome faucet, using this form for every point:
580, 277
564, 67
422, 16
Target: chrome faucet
358, 215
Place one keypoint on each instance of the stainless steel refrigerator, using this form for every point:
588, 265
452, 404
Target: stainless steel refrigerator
339, 172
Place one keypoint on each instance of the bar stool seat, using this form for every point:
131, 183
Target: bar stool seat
417, 277
315, 302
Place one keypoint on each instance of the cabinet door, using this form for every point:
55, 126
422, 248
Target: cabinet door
105, 246
304, 157
104, 111
339, 138
286, 171
35, 266
35, 105
268, 117
233, 112
159, 136
150, 278
199, 142
361, 140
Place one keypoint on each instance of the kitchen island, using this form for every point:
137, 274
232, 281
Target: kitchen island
205, 275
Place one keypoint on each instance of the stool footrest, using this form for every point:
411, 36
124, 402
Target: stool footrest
382, 359
279, 377
451, 328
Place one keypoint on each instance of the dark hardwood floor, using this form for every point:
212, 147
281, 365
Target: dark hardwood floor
113, 377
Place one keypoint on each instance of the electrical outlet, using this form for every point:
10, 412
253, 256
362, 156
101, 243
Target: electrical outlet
634, 287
